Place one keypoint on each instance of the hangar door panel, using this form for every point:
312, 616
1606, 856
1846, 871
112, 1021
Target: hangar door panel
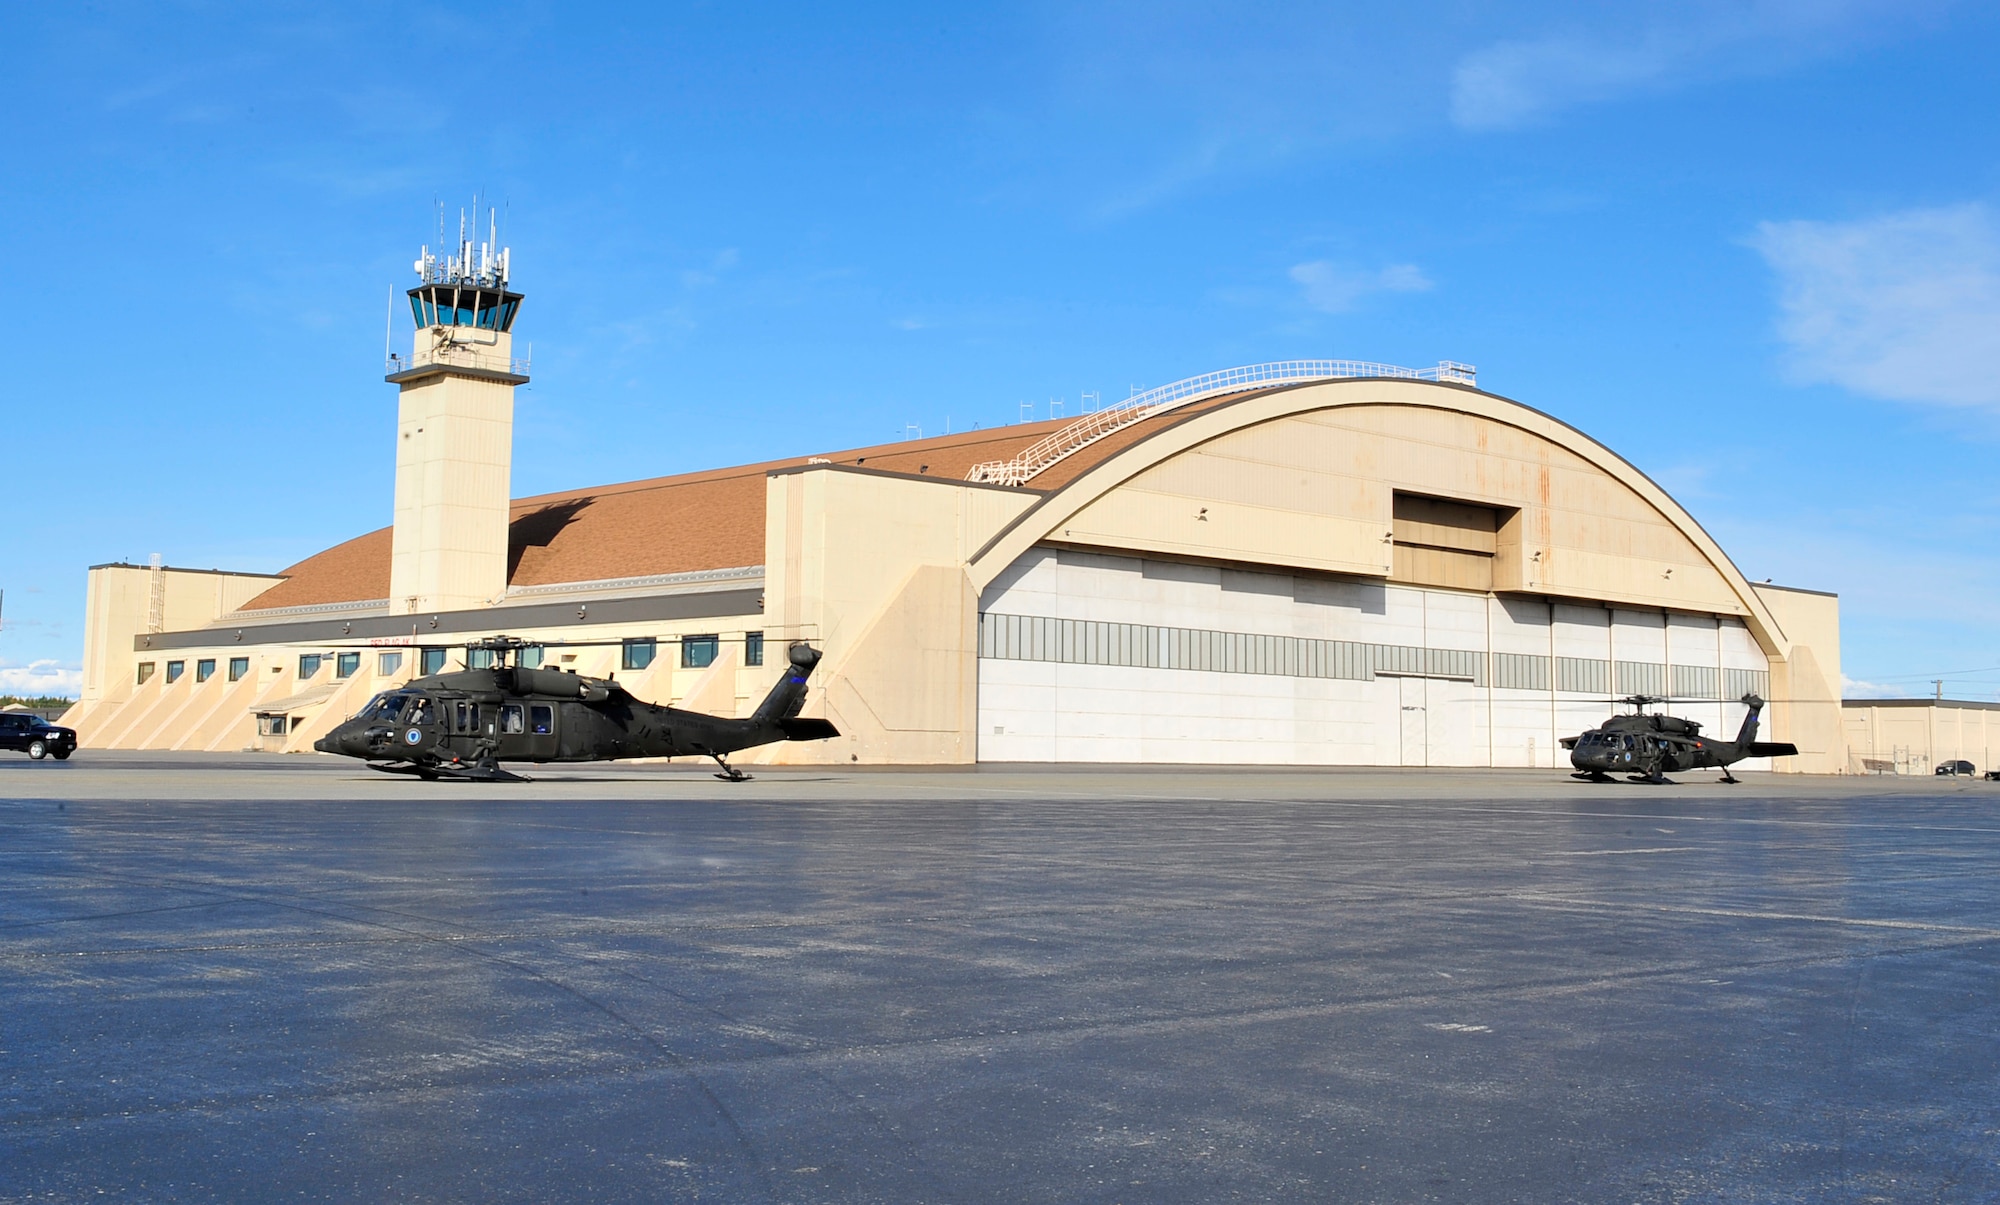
1523, 684
1454, 723
1414, 733
1088, 656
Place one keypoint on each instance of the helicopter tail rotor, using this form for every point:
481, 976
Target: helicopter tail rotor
1747, 735
789, 695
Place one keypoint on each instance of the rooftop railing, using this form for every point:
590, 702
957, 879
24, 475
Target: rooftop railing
1092, 427
459, 356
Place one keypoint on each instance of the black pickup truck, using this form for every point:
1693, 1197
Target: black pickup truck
35, 736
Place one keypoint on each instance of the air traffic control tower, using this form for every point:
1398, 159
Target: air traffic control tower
455, 429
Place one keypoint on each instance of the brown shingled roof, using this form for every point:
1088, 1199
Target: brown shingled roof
681, 524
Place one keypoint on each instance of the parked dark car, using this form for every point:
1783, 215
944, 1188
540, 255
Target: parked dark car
1956, 767
35, 736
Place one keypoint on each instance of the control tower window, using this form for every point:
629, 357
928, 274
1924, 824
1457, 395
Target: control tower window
458, 305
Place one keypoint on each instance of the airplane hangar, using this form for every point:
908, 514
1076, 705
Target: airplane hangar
1299, 563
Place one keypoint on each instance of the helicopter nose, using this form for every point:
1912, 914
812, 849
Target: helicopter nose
349, 739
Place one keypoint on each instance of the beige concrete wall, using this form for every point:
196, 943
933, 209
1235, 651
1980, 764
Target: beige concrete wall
1805, 684
873, 567
1904, 736
1313, 491
218, 714
119, 605
454, 451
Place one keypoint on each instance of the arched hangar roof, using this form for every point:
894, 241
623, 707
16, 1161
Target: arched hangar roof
1177, 433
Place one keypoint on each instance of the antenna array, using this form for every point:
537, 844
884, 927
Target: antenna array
484, 263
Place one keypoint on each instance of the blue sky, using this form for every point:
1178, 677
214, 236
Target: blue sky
1753, 247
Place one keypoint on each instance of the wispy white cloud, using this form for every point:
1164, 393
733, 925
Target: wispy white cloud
1517, 81
1854, 688
47, 677
1969, 685
1336, 289
1512, 83
1904, 306
1919, 588
722, 261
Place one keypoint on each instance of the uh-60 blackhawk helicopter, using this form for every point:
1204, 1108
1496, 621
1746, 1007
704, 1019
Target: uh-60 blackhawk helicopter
462, 725
1649, 747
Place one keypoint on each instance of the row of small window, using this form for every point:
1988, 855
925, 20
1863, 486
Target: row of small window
204, 669
346, 665
697, 652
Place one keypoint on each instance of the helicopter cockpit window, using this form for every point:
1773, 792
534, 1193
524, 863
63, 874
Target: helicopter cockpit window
422, 712
511, 718
385, 707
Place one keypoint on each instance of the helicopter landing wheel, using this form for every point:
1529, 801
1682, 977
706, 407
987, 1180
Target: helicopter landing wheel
729, 773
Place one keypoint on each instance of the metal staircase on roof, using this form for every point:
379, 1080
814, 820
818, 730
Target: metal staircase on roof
1092, 427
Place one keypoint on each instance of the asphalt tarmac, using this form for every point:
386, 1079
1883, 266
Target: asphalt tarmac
263, 978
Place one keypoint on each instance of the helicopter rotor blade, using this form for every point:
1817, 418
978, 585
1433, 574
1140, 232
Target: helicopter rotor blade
489, 643
1688, 699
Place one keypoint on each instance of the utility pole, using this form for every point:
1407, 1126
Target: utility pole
1939, 683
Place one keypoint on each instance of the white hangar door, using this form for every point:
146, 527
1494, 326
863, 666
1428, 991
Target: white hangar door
1441, 722
1093, 657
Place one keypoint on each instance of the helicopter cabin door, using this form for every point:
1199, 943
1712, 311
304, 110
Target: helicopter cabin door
528, 729
469, 723
424, 727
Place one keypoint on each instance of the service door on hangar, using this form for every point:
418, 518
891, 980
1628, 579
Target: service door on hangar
1414, 733
1440, 722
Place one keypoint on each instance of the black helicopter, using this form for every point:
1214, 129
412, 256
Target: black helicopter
1648, 747
462, 725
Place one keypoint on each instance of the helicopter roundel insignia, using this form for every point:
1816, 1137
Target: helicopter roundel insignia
413, 736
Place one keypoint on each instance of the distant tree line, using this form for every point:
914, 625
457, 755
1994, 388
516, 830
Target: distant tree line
34, 703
